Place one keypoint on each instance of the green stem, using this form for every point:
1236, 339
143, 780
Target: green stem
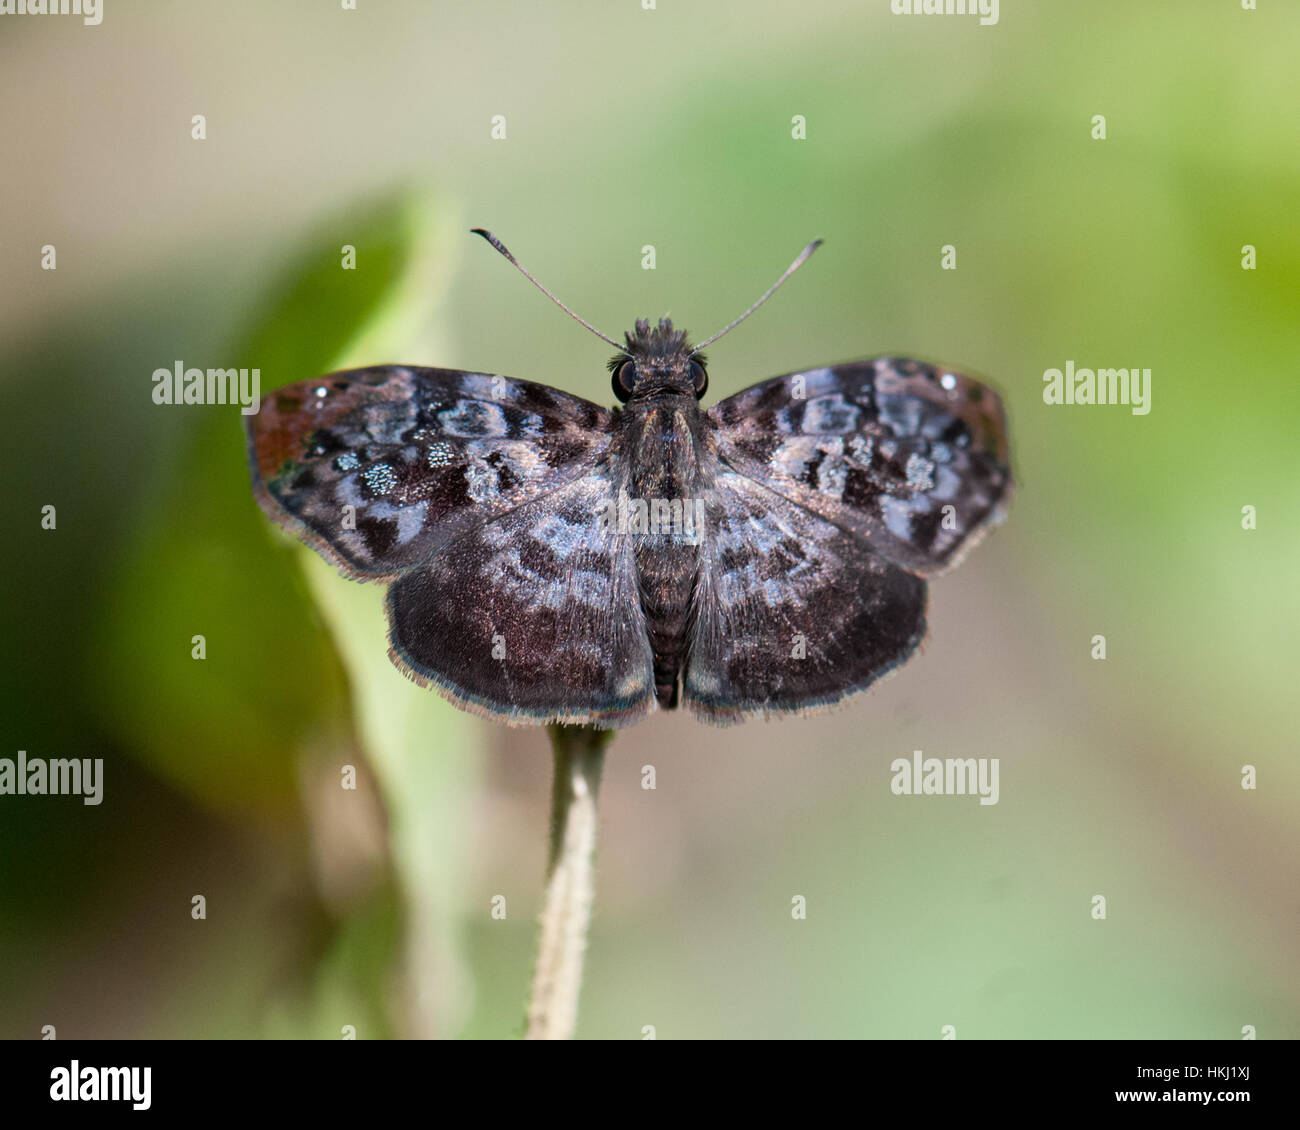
570, 887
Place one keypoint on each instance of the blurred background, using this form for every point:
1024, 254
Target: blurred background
670, 128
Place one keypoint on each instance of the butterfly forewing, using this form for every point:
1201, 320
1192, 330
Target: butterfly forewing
377, 468
910, 457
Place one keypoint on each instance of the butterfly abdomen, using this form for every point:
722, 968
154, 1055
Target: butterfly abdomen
667, 575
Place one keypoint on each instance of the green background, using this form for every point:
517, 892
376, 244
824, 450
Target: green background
671, 127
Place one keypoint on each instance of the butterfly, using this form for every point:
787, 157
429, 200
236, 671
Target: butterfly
553, 560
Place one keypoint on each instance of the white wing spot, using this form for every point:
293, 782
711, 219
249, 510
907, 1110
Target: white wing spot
920, 472
481, 482
440, 455
379, 478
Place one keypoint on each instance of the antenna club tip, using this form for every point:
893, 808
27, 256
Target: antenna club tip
501, 247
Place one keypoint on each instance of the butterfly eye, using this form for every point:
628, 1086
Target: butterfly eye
701, 379
624, 377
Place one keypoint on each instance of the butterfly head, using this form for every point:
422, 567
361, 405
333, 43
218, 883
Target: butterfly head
658, 360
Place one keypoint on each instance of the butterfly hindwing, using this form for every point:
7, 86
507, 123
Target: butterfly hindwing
910, 457
533, 616
376, 468
790, 612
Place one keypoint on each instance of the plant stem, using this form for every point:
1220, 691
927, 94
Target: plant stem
570, 888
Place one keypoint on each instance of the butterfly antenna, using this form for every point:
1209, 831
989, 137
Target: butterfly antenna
520, 267
804, 256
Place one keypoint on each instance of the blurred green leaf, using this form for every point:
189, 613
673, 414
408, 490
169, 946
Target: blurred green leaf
423, 751
278, 680
227, 728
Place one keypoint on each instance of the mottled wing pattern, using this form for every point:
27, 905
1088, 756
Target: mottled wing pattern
533, 616
908, 456
828, 496
790, 612
377, 468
